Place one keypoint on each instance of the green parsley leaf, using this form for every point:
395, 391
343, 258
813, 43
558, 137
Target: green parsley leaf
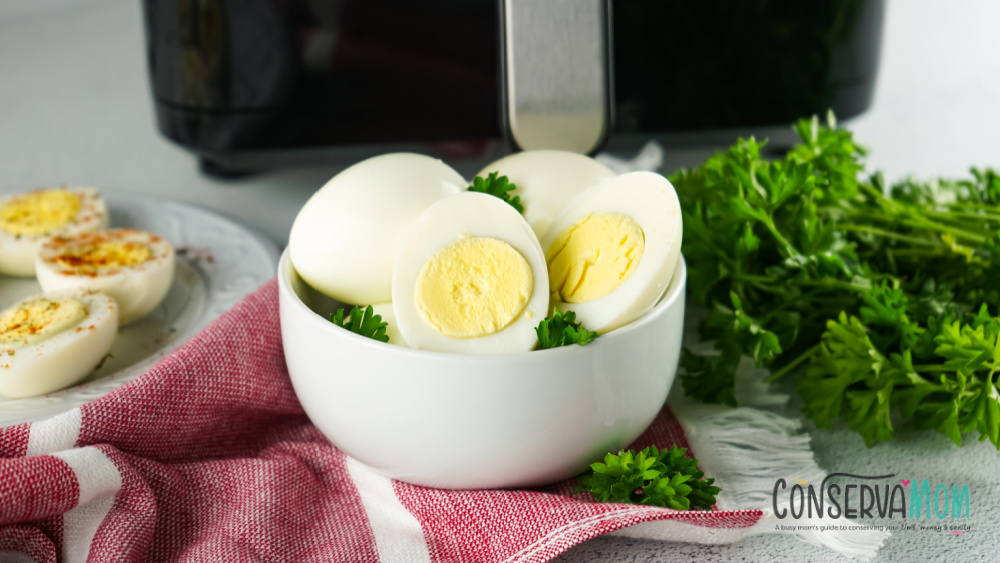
561, 329
498, 186
366, 323
666, 478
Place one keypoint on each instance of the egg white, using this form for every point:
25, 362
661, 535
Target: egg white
137, 288
63, 358
547, 180
345, 238
445, 222
650, 200
17, 251
392, 327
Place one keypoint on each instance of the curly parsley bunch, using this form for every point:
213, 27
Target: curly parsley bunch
667, 478
878, 298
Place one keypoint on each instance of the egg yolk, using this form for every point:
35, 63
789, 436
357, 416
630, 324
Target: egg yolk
99, 257
37, 320
474, 287
39, 212
594, 257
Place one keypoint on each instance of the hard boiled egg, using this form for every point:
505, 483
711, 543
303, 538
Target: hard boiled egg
345, 239
53, 340
392, 327
470, 278
132, 266
547, 180
29, 218
612, 251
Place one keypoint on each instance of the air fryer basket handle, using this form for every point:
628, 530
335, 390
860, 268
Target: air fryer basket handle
556, 73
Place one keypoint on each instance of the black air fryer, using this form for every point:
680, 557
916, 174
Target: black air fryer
254, 84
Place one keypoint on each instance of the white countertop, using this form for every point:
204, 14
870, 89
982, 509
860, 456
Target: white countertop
75, 107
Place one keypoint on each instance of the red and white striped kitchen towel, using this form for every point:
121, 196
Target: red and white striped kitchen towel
209, 457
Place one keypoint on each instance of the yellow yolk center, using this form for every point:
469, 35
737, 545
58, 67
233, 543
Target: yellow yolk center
37, 320
473, 287
39, 212
103, 256
594, 257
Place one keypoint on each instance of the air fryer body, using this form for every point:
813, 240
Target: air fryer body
266, 83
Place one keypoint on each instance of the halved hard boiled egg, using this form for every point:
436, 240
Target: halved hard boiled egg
612, 251
52, 340
547, 180
134, 267
470, 278
27, 219
344, 240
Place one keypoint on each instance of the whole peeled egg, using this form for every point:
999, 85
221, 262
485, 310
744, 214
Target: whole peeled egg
385, 311
546, 180
344, 240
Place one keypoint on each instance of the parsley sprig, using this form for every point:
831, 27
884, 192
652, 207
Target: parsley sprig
878, 298
561, 329
665, 478
366, 323
498, 186
951, 390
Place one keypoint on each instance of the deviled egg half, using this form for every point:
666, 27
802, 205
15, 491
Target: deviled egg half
612, 251
53, 340
27, 219
470, 278
134, 267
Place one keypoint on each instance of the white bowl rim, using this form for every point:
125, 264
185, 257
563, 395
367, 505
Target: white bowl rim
674, 291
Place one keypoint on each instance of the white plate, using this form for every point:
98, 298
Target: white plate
218, 263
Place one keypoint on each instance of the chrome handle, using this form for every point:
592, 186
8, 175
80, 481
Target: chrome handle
556, 64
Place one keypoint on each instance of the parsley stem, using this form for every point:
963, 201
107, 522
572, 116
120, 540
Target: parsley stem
878, 194
787, 368
780, 238
810, 299
911, 219
760, 281
832, 284
982, 215
933, 368
763, 283
931, 225
889, 235
920, 253
754, 279
914, 216
984, 210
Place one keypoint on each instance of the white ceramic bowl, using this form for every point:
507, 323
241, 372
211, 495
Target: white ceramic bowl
463, 421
